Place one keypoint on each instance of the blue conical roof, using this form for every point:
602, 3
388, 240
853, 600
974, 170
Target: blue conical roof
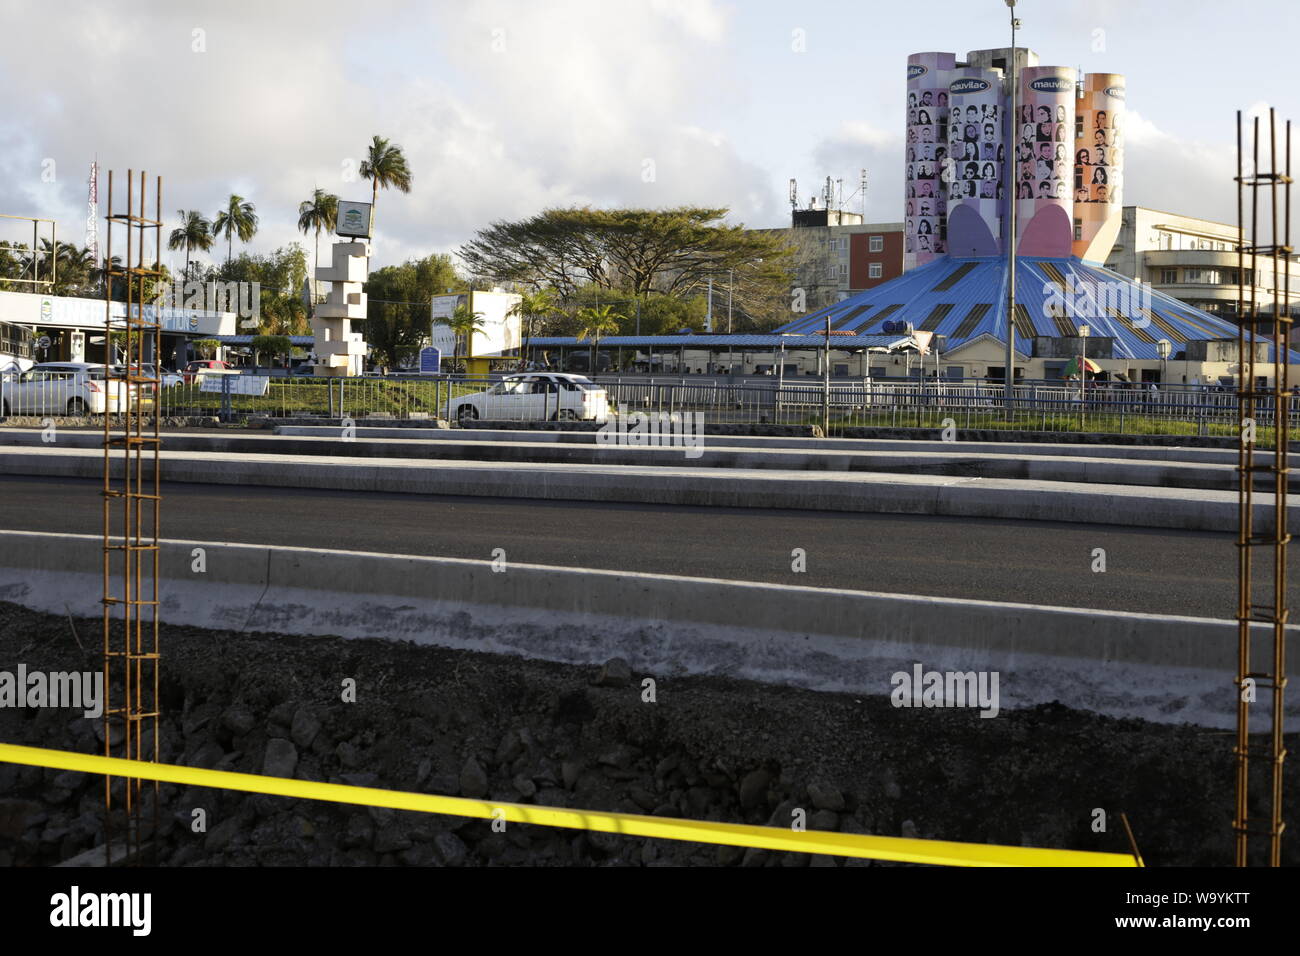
964, 299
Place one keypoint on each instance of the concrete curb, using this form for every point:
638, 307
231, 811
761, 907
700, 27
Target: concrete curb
1080, 502
950, 460
1194, 510
1163, 668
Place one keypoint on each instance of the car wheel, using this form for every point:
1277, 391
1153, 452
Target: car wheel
566, 415
77, 408
466, 413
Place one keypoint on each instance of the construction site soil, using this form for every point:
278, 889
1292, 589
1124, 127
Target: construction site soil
434, 720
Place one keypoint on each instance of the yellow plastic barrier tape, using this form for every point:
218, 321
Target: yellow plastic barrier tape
933, 852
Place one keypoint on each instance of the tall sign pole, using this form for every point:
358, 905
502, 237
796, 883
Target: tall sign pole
1010, 368
92, 214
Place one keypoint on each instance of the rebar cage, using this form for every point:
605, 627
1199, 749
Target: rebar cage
1263, 391
131, 500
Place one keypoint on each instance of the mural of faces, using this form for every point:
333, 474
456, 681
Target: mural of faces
1042, 154
1098, 158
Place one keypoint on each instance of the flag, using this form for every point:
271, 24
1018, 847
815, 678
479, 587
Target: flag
1089, 365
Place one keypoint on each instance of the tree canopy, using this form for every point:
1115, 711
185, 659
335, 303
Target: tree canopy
673, 252
398, 304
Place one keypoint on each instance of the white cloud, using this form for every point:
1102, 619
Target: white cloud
580, 96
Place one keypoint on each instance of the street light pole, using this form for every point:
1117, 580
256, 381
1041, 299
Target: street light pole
1084, 332
1013, 128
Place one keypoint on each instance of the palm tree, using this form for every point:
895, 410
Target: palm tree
385, 165
466, 323
237, 219
533, 305
595, 320
194, 232
319, 212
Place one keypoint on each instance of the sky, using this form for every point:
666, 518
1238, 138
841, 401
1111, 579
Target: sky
508, 107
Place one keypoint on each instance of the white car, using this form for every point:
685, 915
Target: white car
534, 396
60, 388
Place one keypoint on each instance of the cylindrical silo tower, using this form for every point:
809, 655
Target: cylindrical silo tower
1044, 161
924, 221
1098, 165
973, 178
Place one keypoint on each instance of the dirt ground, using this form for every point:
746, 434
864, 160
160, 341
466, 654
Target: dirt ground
440, 721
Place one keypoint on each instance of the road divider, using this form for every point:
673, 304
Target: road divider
684, 483
1164, 668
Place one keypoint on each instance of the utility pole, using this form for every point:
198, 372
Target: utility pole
826, 382
708, 319
1013, 127
731, 281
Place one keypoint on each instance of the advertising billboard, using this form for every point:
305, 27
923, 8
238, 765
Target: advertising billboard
1044, 141
925, 225
498, 332
1099, 165
974, 175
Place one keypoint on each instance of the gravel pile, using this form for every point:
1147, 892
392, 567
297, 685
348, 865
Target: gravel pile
450, 722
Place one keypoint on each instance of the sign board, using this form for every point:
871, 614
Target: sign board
239, 384
500, 325
353, 219
430, 361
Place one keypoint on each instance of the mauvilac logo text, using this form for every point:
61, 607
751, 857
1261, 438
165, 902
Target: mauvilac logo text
1052, 84
82, 691
958, 87
922, 688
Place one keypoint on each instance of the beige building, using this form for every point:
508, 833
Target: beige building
1194, 260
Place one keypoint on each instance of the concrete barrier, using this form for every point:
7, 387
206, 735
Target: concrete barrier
1083, 503
1158, 667
947, 459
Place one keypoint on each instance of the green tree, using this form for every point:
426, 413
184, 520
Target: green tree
206, 347
274, 345
533, 306
385, 166
668, 251
194, 232
597, 321
464, 323
319, 212
398, 302
279, 276
239, 218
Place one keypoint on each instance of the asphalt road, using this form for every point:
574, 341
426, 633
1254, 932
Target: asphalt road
998, 560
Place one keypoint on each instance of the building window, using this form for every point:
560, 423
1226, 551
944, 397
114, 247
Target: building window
844, 270
874, 271
876, 244
1168, 276
1078, 127
1078, 229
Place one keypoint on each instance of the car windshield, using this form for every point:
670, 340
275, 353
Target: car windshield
585, 385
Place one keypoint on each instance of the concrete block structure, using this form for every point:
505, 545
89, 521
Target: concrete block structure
340, 351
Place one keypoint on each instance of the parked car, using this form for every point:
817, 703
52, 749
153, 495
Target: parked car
61, 388
199, 366
533, 397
